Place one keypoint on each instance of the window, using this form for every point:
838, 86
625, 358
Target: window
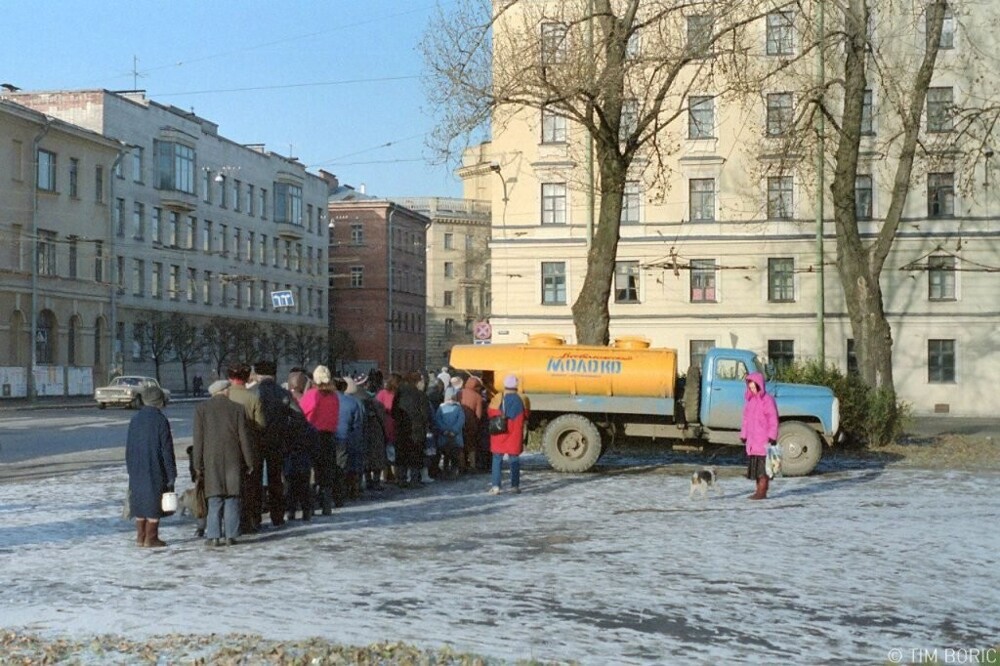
939, 106
852, 357
947, 41
120, 273
701, 192
699, 35
781, 280
781, 353
703, 281
357, 276
553, 283
698, 349
156, 284
251, 242
470, 301
46, 172
73, 258
263, 203
288, 204
357, 234
553, 203
173, 229
262, 251
98, 261
192, 290
940, 195
449, 269
286, 256
449, 298
449, 241
701, 117
940, 361
779, 113
780, 33
553, 126
223, 190
629, 119
863, 203
71, 338
17, 159
174, 163
46, 253
631, 200
238, 244
237, 195
941, 278
206, 184
554, 47
626, 282
449, 327
138, 341
779, 197
137, 164
206, 237
138, 220
138, 277
74, 177
118, 215
206, 288
867, 115
175, 282
250, 199
99, 184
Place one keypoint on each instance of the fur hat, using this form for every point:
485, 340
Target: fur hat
153, 396
321, 375
218, 386
510, 382
456, 383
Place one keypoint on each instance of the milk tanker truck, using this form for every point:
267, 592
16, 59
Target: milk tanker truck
583, 397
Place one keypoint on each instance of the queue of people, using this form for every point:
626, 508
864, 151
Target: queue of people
285, 452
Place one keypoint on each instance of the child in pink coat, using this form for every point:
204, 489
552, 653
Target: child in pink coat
760, 428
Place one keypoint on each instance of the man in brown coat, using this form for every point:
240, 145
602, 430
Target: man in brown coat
252, 501
223, 456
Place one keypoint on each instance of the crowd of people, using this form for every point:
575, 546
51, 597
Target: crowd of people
316, 442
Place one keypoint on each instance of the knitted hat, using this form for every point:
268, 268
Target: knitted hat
510, 382
321, 375
218, 386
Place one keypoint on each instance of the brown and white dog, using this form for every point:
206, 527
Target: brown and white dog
704, 480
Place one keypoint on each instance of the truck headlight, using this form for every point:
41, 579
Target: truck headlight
835, 417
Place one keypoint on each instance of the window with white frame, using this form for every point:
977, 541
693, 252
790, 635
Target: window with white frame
947, 41
554, 47
631, 202
941, 278
46, 172
941, 195
138, 277
701, 117
553, 283
780, 33
137, 164
553, 203
629, 119
781, 280
449, 241
174, 166
779, 198
138, 220
701, 194
449, 298
867, 114
553, 126
46, 253
940, 102
626, 282
863, 197
357, 276
703, 281
781, 353
779, 113
940, 361
156, 280
699, 35
357, 233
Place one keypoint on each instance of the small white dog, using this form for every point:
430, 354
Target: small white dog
704, 480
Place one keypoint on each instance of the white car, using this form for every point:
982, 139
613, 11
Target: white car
127, 391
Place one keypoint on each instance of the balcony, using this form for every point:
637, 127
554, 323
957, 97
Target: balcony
288, 230
178, 201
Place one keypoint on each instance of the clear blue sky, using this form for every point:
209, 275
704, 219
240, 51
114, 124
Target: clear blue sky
337, 82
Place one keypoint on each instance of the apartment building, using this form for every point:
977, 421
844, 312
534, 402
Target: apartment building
55, 233
719, 246
200, 227
378, 267
458, 272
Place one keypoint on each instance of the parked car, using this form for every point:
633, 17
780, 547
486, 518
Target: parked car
126, 390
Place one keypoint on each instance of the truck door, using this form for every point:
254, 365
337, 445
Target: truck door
722, 392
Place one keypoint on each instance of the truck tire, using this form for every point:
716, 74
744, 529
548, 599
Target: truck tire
801, 448
692, 395
571, 443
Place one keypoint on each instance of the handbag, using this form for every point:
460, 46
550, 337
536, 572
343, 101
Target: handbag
498, 423
168, 503
200, 500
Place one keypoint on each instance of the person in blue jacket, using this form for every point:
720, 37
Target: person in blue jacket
152, 470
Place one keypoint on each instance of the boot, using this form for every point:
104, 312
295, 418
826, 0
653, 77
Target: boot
140, 531
153, 535
425, 476
761, 491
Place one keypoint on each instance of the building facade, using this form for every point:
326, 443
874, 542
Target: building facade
719, 246
55, 233
458, 272
204, 229
378, 296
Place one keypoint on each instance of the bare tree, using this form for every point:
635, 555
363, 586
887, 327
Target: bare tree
620, 71
187, 343
306, 346
271, 342
341, 348
219, 339
153, 337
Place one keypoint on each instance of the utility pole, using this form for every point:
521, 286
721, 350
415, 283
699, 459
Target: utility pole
820, 184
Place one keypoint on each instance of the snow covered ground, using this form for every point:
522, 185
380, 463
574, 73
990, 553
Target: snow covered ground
617, 567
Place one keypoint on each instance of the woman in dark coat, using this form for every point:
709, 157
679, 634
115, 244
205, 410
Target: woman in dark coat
152, 470
410, 414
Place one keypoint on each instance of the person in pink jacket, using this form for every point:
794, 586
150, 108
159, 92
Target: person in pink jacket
760, 428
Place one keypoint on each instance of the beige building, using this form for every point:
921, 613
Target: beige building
458, 272
200, 226
718, 244
54, 237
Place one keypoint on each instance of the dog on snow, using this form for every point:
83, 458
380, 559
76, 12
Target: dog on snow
703, 481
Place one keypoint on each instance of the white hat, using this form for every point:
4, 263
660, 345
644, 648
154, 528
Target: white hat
510, 382
218, 386
321, 375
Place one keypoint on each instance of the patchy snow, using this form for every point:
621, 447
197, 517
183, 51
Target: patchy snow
615, 567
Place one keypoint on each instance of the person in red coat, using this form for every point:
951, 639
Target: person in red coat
510, 443
758, 430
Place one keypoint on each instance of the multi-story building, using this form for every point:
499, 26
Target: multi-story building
377, 269
719, 248
201, 227
55, 235
458, 272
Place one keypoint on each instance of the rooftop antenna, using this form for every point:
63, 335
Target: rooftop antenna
135, 72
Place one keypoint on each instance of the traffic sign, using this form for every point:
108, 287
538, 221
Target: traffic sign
482, 330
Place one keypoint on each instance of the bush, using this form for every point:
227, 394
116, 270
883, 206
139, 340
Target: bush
869, 417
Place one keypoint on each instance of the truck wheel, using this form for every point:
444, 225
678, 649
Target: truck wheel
571, 443
692, 395
801, 448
